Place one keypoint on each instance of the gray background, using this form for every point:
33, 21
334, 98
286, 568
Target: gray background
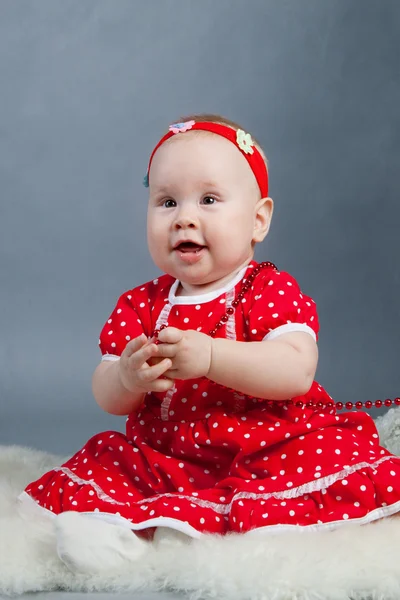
87, 88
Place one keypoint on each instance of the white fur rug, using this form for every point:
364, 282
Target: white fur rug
358, 562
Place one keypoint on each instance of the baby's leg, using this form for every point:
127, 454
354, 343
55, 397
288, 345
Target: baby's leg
89, 545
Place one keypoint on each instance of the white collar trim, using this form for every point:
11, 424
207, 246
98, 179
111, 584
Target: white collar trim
207, 297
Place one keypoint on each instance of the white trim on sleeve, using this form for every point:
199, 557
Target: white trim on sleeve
290, 328
110, 357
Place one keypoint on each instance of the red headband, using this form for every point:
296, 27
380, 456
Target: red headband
240, 138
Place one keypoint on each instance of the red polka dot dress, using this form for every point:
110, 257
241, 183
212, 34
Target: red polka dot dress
202, 458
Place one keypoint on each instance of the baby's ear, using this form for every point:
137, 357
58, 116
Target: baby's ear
263, 216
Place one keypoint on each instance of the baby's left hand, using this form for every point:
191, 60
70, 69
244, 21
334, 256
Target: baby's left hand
189, 351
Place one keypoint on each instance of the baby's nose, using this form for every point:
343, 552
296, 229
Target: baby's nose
186, 220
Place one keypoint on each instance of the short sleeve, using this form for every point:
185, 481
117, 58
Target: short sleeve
278, 307
122, 326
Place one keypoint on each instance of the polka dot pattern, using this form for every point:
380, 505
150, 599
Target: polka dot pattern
214, 460
123, 325
277, 302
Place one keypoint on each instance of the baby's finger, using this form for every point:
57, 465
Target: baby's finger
151, 373
171, 335
171, 373
162, 385
167, 350
134, 345
141, 355
138, 358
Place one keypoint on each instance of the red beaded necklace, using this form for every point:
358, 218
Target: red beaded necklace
246, 285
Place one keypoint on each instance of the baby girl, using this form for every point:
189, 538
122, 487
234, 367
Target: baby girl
213, 363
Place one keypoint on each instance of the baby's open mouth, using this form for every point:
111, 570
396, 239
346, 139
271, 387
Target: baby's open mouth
189, 247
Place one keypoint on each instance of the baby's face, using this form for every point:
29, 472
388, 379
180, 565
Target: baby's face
202, 189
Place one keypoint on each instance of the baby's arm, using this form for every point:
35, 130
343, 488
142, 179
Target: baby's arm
278, 369
109, 392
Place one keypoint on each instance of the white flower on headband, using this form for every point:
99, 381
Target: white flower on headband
181, 127
244, 141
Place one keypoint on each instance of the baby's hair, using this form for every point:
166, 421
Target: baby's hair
223, 121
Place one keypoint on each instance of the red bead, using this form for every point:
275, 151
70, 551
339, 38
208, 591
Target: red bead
230, 310
388, 402
224, 318
330, 404
310, 403
299, 404
235, 303
378, 403
359, 404
349, 405
320, 404
339, 405
397, 401
368, 404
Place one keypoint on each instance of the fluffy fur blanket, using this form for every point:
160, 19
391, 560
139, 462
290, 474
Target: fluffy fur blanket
358, 562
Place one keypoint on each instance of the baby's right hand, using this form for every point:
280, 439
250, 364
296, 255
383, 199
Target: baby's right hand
136, 373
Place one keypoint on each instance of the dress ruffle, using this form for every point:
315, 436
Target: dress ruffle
223, 487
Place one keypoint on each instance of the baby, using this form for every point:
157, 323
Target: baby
213, 363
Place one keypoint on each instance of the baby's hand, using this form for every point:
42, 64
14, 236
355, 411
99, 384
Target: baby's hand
189, 350
135, 372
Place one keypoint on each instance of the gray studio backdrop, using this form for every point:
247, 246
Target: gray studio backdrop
87, 87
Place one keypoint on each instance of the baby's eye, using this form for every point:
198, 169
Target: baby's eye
207, 198
165, 203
